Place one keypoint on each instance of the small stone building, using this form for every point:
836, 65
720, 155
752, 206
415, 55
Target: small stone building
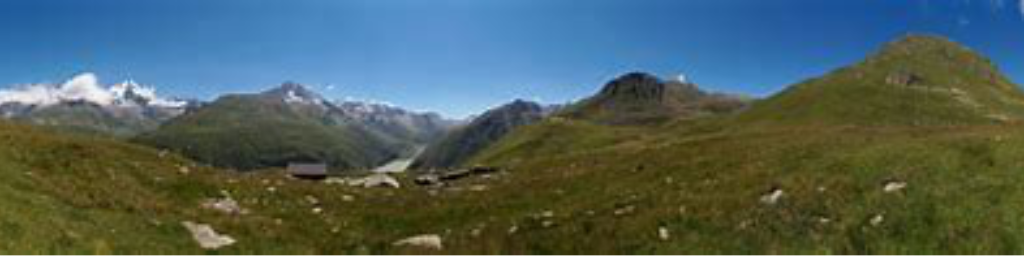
311, 171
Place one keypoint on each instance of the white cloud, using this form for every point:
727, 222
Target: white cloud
1022, 8
83, 87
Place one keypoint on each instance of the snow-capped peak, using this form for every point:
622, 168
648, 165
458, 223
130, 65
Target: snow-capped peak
682, 78
86, 88
293, 93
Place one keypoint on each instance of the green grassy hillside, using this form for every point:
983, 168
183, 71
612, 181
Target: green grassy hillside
856, 162
639, 98
918, 80
463, 143
759, 182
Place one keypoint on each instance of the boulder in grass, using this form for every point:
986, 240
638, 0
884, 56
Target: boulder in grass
428, 241
380, 180
772, 197
206, 236
225, 205
894, 186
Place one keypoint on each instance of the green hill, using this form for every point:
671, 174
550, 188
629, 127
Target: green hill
267, 130
640, 98
914, 150
462, 144
918, 80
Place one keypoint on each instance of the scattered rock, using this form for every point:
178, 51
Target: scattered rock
877, 220
547, 223
379, 180
336, 181
206, 236
429, 241
454, 175
427, 180
513, 229
903, 79
547, 214
772, 197
824, 220
312, 200
894, 186
478, 188
225, 204
624, 210
317, 210
184, 170
663, 234
347, 198
464, 173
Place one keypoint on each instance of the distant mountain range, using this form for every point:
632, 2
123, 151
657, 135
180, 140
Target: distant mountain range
293, 124
83, 105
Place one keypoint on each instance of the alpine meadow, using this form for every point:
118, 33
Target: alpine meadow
512, 127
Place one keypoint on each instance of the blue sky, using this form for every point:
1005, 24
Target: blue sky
460, 57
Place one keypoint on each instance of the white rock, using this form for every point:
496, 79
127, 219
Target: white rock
877, 220
547, 214
377, 180
312, 200
894, 186
772, 197
663, 234
429, 241
336, 181
206, 236
226, 205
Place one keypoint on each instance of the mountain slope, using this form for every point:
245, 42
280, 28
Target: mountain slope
73, 195
792, 175
639, 98
463, 143
918, 80
394, 122
271, 129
